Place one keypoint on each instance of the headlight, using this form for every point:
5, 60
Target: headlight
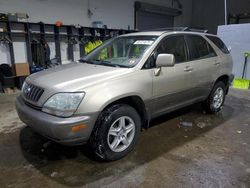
63, 104
23, 86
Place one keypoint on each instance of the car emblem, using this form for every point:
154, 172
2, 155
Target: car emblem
27, 90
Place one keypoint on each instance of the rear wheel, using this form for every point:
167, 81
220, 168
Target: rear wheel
215, 101
116, 132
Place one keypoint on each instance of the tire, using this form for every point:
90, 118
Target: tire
214, 103
109, 135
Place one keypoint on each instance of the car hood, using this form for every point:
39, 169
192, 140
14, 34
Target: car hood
75, 76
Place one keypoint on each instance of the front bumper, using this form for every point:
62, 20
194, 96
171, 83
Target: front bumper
56, 128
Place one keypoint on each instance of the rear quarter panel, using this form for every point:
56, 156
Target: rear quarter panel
226, 61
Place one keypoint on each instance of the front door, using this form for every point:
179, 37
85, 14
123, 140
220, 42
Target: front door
172, 85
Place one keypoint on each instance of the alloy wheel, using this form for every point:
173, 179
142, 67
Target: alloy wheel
121, 134
218, 98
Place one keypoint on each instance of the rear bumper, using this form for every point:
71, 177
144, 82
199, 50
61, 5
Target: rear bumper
230, 81
56, 128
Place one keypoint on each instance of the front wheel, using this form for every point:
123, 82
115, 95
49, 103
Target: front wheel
116, 132
215, 101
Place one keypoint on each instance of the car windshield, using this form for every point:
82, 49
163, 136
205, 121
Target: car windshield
121, 51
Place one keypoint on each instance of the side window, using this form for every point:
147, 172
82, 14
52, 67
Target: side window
171, 45
199, 48
211, 50
219, 43
174, 45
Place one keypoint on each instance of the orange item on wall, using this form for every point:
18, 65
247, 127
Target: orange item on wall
59, 23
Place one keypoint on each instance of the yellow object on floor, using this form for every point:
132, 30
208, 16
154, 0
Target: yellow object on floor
240, 83
243, 83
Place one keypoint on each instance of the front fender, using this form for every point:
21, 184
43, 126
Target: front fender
99, 96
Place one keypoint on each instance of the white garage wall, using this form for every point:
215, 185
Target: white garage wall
237, 37
21, 56
114, 13
4, 53
52, 47
76, 51
64, 54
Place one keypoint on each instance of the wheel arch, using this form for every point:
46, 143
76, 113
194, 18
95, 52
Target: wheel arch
137, 103
225, 79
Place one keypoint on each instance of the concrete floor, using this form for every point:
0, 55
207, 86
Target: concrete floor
214, 152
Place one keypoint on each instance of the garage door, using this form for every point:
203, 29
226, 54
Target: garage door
147, 20
149, 16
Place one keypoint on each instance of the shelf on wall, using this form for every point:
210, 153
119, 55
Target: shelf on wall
41, 31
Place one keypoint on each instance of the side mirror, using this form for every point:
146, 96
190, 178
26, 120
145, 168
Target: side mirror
165, 60
229, 48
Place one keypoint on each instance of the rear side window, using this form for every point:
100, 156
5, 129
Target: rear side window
174, 45
199, 48
219, 43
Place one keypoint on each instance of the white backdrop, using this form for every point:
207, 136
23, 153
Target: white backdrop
238, 38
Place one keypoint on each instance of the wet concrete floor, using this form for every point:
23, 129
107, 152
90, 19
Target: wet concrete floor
214, 152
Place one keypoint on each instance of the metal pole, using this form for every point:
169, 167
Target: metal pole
225, 12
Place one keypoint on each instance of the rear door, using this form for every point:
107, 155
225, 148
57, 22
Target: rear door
172, 86
205, 65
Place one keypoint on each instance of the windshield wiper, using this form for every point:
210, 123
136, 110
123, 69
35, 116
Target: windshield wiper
108, 63
86, 61
101, 62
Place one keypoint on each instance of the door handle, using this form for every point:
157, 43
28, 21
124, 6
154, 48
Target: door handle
188, 69
217, 63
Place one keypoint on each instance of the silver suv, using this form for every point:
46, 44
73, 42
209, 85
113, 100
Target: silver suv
107, 98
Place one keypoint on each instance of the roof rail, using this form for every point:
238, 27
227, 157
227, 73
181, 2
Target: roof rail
179, 29
196, 30
169, 29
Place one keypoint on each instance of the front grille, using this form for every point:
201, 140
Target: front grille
31, 92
